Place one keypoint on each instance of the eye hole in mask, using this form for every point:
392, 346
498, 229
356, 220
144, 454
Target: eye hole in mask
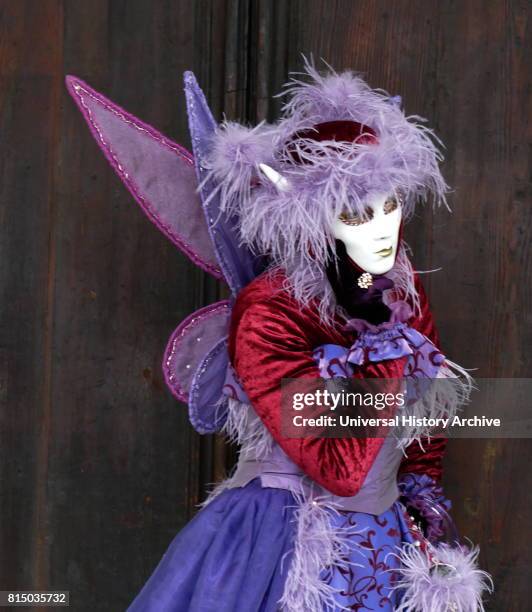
354, 219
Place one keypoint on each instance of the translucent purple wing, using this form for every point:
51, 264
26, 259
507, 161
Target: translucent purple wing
159, 173
238, 264
207, 406
192, 340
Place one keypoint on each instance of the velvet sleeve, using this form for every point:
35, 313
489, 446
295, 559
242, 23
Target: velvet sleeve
272, 341
427, 457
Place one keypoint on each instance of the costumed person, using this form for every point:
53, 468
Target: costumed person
303, 221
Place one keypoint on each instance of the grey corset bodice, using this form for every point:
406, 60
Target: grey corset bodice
378, 492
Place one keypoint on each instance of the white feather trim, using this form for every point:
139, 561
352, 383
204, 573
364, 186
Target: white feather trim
244, 427
318, 546
454, 584
441, 400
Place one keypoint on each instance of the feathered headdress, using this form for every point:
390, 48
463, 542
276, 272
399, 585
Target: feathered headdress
337, 142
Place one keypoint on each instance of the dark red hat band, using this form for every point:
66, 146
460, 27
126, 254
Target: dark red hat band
340, 131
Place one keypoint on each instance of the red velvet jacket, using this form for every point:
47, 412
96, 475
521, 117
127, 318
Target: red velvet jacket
271, 338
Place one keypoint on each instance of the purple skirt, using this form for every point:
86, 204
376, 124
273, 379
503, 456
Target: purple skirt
228, 557
234, 555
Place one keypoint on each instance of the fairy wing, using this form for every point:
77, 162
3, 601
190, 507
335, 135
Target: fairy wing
163, 178
239, 265
159, 173
195, 364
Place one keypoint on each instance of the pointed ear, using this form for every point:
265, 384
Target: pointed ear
158, 173
275, 177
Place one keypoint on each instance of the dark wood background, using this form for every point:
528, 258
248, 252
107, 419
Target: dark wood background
100, 467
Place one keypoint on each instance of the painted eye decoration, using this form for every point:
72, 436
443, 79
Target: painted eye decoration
351, 218
354, 219
391, 204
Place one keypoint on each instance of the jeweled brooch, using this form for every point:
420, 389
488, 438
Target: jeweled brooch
365, 280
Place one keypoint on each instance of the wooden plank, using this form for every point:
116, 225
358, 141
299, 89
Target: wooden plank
29, 94
483, 76
24, 274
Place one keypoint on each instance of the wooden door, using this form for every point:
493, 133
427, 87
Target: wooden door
100, 467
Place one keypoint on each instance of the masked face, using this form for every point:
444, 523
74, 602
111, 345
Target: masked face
371, 239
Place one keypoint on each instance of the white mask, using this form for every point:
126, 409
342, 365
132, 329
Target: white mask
371, 242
